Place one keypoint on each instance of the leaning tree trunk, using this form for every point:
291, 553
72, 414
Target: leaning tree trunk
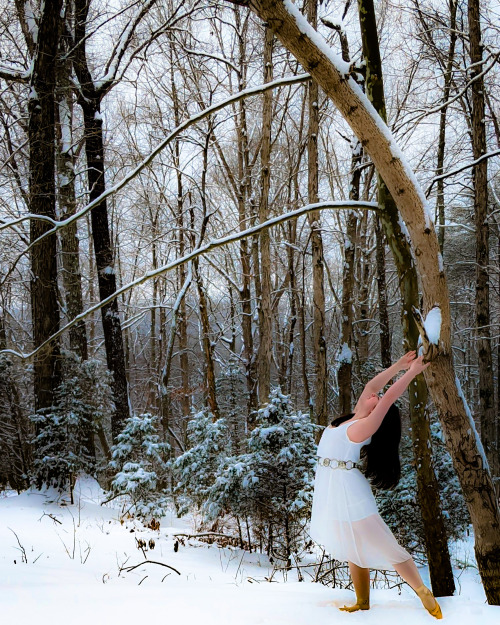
467, 453
441, 573
480, 178
41, 137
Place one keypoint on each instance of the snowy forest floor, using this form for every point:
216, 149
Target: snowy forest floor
72, 575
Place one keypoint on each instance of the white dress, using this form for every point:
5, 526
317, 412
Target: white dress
344, 516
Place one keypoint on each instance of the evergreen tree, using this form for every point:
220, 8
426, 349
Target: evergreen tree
272, 484
63, 443
197, 468
141, 465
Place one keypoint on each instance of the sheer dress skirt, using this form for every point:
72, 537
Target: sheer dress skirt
345, 521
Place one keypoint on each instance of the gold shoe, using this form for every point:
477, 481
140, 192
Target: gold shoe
359, 605
425, 594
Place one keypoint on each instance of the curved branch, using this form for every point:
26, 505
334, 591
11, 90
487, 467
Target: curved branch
208, 247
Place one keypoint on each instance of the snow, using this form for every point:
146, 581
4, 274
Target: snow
345, 354
73, 573
65, 124
473, 429
31, 21
432, 325
305, 28
440, 262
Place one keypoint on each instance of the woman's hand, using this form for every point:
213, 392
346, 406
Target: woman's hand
405, 361
418, 365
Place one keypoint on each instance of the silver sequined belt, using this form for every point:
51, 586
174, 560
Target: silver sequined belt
337, 464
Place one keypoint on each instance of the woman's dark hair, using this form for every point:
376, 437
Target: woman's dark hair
382, 467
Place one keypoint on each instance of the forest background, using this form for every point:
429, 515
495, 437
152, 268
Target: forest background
141, 148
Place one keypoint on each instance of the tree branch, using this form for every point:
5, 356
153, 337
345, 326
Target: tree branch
208, 247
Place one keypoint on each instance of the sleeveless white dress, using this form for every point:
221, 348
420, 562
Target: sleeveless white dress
344, 516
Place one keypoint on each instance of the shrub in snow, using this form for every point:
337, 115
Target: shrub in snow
63, 445
399, 507
140, 462
196, 469
272, 483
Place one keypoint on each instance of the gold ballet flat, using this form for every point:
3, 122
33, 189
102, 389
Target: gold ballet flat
425, 594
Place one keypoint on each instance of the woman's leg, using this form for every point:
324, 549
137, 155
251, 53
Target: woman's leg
361, 580
409, 572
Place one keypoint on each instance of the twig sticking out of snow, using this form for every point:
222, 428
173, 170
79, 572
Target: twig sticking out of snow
135, 566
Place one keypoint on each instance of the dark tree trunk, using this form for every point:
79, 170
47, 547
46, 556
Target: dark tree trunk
442, 123
13, 425
41, 134
383, 314
480, 178
106, 277
427, 485
90, 99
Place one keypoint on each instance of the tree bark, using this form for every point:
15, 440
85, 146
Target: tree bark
440, 570
70, 248
41, 136
265, 313
89, 101
459, 428
243, 192
442, 123
480, 179
383, 314
319, 344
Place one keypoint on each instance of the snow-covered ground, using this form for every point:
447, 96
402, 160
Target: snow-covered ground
75, 552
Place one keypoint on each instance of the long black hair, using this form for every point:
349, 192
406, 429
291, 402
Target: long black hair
382, 464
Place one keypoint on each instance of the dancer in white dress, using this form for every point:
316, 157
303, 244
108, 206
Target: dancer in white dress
344, 516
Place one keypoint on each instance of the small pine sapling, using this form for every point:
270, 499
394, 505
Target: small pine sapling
140, 462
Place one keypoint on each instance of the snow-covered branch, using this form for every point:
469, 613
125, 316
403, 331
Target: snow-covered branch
290, 80
204, 249
453, 172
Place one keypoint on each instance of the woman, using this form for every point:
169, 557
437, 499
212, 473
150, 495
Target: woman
344, 517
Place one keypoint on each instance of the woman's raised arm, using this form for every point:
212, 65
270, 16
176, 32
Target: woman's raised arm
366, 427
383, 378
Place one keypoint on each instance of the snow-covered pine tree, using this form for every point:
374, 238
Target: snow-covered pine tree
196, 469
63, 445
271, 484
141, 465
